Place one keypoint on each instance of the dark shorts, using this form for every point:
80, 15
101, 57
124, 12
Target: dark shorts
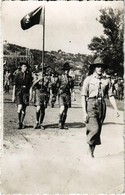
96, 112
40, 98
22, 99
65, 99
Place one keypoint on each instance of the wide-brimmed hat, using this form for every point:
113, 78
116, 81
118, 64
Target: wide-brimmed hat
66, 66
98, 62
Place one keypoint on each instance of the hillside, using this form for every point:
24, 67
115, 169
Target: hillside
54, 59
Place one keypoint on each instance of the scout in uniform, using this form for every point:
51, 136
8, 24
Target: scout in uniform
7, 81
41, 86
54, 84
71, 82
64, 94
94, 108
21, 92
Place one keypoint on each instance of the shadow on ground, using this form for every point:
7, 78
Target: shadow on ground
70, 125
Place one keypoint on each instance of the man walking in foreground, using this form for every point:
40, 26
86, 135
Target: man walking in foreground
94, 90
21, 92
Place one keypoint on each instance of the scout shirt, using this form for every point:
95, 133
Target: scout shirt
91, 84
42, 85
65, 84
23, 81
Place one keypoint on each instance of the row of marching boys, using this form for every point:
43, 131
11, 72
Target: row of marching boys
39, 88
94, 90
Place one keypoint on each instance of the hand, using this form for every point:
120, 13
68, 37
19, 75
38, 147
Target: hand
117, 113
13, 99
30, 98
85, 118
40, 76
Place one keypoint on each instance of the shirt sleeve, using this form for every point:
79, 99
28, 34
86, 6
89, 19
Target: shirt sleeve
85, 87
15, 79
31, 79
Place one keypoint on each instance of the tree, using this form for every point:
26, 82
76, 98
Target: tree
110, 45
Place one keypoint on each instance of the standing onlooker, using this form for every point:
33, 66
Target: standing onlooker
7, 81
21, 90
120, 89
93, 103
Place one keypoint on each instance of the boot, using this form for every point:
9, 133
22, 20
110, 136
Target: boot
36, 126
91, 150
60, 121
19, 119
63, 121
22, 119
42, 114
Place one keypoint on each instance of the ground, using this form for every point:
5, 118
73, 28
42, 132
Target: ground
55, 161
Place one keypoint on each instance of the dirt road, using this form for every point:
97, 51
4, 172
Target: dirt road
55, 161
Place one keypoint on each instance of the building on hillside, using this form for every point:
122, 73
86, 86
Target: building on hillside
16, 57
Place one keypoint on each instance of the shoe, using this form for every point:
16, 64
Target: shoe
65, 127
60, 126
23, 126
20, 126
42, 127
91, 153
37, 126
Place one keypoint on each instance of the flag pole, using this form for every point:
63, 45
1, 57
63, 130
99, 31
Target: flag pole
43, 39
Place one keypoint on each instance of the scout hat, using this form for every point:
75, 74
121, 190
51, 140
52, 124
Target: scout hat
66, 66
98, 62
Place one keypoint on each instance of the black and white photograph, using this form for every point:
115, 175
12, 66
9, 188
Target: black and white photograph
63, 97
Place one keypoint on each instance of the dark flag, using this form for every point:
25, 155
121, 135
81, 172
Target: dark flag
32, 18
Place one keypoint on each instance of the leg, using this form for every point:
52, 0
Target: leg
91, 150
42, 114
93, 132
73, 94
19, 111
23, 113
37, 117
7, 88
63, 115
69, 100
53, 100
64, 102
59, 99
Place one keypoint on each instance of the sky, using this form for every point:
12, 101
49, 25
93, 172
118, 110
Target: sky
69, 25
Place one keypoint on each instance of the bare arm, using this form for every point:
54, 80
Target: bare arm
84, 106
113, 102
31, 93
36, 80
14, 93
84, 93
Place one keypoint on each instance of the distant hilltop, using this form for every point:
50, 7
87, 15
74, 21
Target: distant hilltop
13, 54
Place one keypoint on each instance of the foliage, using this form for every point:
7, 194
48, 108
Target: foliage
110, 45
53, 59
